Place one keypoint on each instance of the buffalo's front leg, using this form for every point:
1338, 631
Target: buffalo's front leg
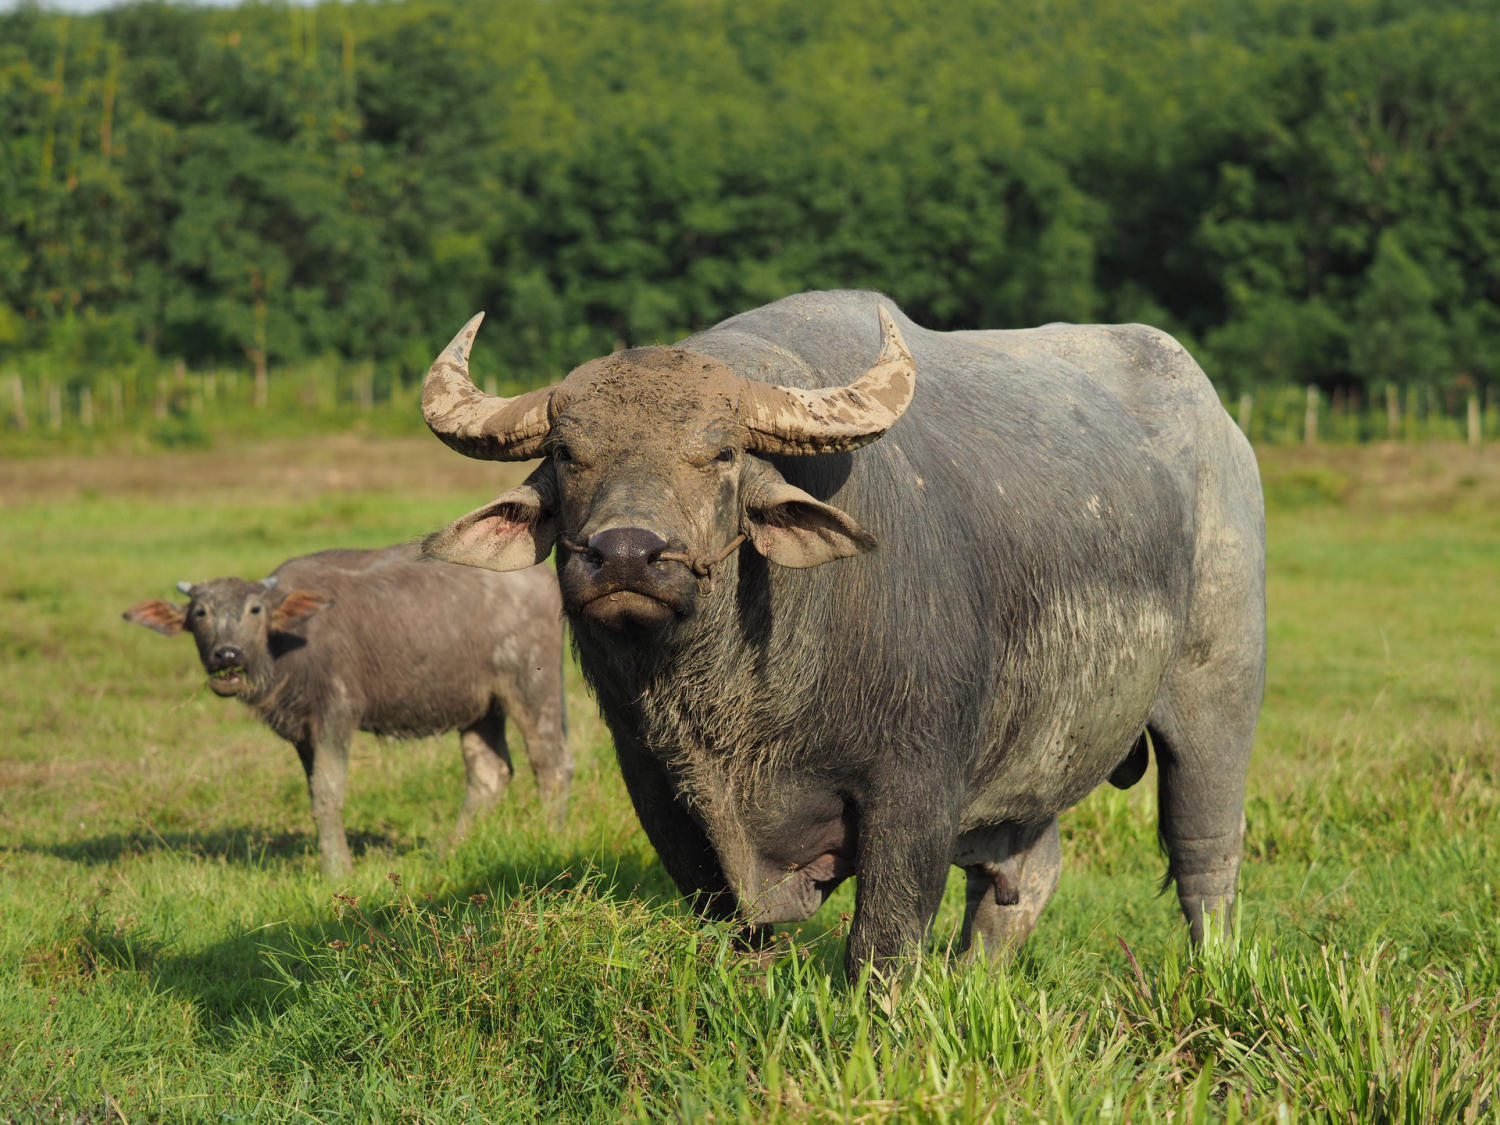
905, 847
326, 763
680, 842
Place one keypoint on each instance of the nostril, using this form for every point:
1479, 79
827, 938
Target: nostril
626, 544
228, 654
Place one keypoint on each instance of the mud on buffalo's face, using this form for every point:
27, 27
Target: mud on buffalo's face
234, 623
653, 474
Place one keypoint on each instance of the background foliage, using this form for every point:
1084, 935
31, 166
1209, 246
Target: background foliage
1300, 189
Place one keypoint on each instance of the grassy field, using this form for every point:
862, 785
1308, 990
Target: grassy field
169, 952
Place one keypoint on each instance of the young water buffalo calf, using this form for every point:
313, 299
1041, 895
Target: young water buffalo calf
387, 642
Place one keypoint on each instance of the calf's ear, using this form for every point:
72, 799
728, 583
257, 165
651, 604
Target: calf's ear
298, 606
513, 531
166, 618
795, 529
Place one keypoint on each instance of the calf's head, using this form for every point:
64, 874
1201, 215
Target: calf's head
239, 627
654, 471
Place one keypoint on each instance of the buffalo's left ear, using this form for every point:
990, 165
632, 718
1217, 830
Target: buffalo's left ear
513, 531
297, 607
795, 529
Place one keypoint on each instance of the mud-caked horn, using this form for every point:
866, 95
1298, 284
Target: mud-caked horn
489, 427
792, 421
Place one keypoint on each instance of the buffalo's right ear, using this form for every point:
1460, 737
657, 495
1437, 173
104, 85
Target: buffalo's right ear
513, 531
166, 618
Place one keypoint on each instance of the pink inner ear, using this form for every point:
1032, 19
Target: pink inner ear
164, 617
297, 605
505, 534
503, 526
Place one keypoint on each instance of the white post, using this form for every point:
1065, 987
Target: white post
18, 403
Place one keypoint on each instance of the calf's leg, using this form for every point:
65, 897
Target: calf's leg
487, 768
538, 715
326, 763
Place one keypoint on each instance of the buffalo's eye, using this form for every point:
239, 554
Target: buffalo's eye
200, 612
562, 454
726, 454
255, 609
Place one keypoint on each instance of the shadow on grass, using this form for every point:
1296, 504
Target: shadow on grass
248, 846
257, 975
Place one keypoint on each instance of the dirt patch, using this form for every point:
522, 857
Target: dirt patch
300, 468
1388, 476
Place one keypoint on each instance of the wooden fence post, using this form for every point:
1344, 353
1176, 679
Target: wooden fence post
1310, 419
1474, 427
18, 403
116, 402
1392, 412
54, 408
86, 408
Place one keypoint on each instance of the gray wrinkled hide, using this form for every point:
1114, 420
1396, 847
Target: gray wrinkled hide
408, 647
1070, 551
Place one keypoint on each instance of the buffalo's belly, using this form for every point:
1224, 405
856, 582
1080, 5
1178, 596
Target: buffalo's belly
1084, 704
424, 713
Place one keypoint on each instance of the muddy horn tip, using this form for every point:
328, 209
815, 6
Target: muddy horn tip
892, 346
464, 341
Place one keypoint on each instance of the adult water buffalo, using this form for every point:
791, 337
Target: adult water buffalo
389, 642
1058, 547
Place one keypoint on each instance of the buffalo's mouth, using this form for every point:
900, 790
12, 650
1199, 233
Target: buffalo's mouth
628, 609
627, 594
227, 680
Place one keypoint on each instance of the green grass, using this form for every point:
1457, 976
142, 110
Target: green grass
168, 951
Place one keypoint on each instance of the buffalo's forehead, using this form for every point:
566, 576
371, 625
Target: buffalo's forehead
668, 386
226, 591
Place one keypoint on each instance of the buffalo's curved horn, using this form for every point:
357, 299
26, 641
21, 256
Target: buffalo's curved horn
792, 421
488, 427
270, 583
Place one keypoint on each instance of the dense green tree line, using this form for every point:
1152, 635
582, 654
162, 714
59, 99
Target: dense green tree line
1304, 190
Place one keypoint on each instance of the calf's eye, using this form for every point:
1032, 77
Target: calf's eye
255, 609
725, 454
200, 612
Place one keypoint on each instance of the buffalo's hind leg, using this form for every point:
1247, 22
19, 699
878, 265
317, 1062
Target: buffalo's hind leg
1012, 871
487, 768
537, 710
1202, 730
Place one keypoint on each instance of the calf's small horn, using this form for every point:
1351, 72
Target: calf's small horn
792, 421
489, 427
